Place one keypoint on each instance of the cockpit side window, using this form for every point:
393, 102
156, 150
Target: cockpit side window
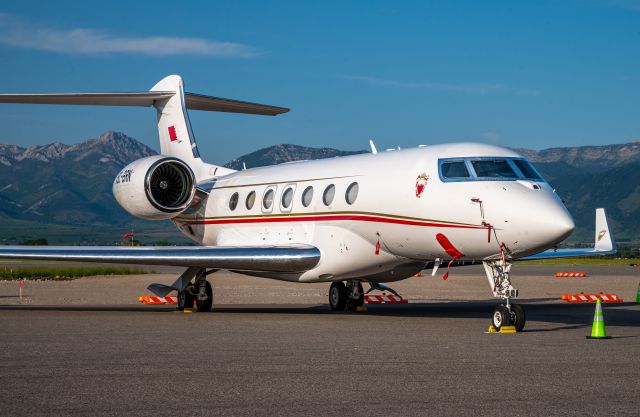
455, 169
493, 168
527, 169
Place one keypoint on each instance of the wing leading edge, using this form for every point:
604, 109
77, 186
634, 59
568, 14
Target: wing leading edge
605, 243
286, 259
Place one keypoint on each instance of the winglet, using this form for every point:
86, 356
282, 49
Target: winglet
604, 239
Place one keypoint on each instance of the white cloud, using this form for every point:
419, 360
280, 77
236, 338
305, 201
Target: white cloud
471, 88
17, 33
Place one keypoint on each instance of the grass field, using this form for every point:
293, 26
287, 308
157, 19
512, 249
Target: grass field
621, 262
66, 273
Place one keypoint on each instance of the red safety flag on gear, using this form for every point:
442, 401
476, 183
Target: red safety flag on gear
126, 235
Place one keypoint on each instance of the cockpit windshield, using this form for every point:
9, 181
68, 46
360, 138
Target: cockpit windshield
527, 169
487, 169
493, 168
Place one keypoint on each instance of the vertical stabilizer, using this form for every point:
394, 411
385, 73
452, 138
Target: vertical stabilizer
174, 128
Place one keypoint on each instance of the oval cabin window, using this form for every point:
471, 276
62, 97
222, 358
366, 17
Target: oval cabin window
329, 193
287, 198
307, 196
267, 200
233, 201
251, 199
352, 193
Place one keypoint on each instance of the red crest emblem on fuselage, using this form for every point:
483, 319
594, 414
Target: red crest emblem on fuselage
421, 184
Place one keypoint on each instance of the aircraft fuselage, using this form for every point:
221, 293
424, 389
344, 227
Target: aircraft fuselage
393, 223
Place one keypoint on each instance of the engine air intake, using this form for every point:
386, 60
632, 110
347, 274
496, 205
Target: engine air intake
170, 185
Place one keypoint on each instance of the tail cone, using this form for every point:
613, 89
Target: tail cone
598, 331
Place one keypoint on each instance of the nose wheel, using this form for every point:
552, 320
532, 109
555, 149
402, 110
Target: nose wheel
501, 317
512, 315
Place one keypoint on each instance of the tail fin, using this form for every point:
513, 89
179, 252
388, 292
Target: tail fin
171, 102
174, 128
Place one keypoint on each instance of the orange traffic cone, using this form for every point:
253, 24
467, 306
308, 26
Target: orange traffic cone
597, 330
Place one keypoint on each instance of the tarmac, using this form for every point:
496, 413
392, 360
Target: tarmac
85, 347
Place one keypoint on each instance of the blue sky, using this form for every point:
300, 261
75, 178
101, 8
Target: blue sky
525, 74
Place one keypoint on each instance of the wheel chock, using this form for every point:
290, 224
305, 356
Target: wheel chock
189, 310
491, 329
508, 329
362, 309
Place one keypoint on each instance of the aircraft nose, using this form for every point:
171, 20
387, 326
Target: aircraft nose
555, 223
563, 224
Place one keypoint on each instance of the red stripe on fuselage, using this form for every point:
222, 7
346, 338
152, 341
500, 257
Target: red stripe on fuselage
336, 217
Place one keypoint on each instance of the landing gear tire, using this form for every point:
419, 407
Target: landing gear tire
518, 316
185, 299
501, 317
360, 300
353, 303
205, 305
338, 296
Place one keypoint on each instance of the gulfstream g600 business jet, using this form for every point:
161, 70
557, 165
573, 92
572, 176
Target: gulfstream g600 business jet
371, 218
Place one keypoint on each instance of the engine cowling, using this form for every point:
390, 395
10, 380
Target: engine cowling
155, 188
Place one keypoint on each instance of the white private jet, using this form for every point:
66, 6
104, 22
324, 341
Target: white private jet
369, 218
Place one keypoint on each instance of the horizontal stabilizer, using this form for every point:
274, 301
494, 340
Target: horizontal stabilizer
142, 99
295, 258
145, 99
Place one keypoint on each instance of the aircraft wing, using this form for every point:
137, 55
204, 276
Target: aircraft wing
605, 243
286, 259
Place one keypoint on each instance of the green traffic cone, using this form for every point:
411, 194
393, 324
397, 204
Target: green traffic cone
638, 294
598, 331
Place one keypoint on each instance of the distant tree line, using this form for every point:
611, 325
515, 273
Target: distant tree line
35, 242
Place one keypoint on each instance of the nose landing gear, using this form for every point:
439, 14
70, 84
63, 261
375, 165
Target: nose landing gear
500, 281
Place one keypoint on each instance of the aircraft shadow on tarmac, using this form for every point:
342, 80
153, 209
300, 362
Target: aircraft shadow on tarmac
571, 315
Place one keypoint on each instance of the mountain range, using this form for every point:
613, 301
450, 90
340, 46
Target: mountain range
63, 192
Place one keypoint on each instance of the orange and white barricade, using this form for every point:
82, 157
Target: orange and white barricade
384, 299
591, 298
571, 274
155, 300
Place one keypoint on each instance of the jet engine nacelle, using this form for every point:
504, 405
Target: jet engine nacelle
155, 188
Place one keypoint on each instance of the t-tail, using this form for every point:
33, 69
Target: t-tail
171, 103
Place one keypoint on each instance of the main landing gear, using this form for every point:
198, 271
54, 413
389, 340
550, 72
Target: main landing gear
346, 297
200, 292
507, 314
